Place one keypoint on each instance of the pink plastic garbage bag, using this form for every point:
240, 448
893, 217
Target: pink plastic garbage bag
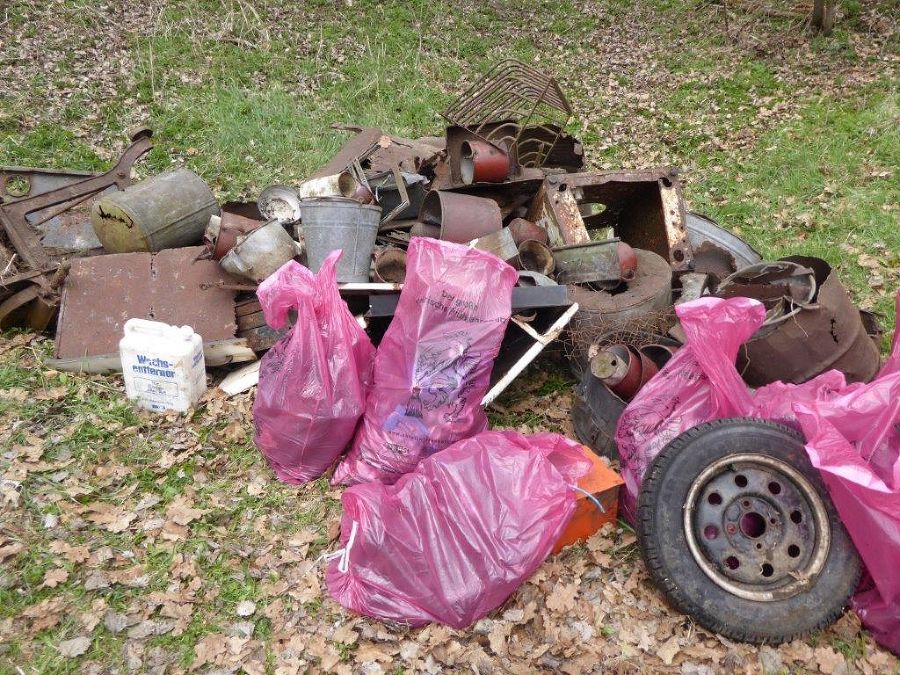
697, 385
853, 439
433, 365
451, 541
312, 383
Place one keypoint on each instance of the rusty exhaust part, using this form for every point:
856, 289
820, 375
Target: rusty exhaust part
482, 162
603, 262
337, 185
462, 218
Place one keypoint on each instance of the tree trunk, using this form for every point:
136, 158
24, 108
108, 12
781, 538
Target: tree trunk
822, 19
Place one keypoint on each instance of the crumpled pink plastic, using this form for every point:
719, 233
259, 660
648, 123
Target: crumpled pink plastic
451, 541
852, 435
312, 382
433, 365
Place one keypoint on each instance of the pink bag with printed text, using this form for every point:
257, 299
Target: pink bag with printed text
433, 365
452, 540
852, 436
312, 383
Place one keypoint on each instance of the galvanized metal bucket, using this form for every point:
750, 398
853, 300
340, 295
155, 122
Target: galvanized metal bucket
345, 224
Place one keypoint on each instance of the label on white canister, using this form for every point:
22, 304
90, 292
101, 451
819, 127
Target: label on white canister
163, 365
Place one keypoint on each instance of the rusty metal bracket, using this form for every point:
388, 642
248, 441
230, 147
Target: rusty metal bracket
21, 215
13, 215
404, 195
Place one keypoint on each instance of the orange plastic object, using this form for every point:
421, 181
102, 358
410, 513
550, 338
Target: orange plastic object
603, 483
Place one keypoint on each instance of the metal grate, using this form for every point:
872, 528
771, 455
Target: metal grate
530, 106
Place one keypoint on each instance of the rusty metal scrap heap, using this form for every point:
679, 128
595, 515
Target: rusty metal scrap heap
611, 250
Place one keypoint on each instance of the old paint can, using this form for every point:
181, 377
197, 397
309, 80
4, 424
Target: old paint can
170, 210
483, 162
462, 218
345, 224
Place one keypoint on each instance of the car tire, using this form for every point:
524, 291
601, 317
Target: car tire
738, 530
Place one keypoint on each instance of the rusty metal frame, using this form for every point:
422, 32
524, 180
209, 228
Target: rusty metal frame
13, 215
557, 208
508, 98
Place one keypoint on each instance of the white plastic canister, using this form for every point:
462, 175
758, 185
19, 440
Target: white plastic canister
163, 365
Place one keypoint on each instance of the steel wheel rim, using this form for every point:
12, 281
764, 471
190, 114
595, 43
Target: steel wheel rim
772, 532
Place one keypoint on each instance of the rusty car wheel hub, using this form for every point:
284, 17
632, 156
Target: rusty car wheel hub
756, 527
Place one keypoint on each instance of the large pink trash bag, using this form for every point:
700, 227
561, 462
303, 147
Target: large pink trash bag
853, 439
312, 383
852, 436
433, 365
698, 384
452, 540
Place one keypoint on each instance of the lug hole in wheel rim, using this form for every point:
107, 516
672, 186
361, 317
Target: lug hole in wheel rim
732, 563
796, 516
740, 480
714, 498
793, 550
753, 525
710, 531
775, 488
773, 520
759, 546
767, 570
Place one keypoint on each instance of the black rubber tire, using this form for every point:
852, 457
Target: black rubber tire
673, 568
595, 412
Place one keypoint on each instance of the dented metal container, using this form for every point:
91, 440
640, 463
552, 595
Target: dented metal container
170, 210
823, 335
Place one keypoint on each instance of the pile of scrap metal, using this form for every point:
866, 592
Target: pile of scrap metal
602, 253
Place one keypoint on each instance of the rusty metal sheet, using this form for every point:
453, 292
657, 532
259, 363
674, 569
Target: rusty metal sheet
101, 293
645, 208
378, 152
